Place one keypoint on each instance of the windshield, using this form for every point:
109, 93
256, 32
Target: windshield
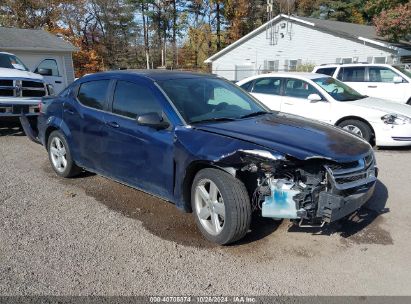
403, 70
9, 61
338, 90
210, 99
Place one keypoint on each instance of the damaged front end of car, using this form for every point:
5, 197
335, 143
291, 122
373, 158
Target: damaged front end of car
310, 192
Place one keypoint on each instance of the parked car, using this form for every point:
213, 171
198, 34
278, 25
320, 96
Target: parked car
209, 147
385, 81
328, 100
20, 89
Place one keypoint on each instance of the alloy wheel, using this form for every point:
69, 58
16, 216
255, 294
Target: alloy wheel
353, 129
209, 206
58, 154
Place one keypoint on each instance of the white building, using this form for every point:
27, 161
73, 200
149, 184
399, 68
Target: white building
287, 42
40, 49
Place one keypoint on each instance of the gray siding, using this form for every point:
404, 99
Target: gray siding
305, 44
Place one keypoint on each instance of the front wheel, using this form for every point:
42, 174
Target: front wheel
358, 128
60, 156
221, 206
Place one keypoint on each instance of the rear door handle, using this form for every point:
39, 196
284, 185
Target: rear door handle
372, 87
288, 103
113, 124
57, 81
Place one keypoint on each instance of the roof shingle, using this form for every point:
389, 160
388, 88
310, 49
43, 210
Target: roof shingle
15, 38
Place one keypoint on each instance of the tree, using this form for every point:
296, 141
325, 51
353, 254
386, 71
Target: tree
376, 7
394, 23
31, 14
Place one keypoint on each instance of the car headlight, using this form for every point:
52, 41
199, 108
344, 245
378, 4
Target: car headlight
395, 119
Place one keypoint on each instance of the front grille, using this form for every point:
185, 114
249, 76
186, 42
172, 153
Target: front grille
6, 83
32, 84
6, 93
22, 88
30, 93
353, 174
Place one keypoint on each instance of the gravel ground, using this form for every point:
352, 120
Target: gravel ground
92, 236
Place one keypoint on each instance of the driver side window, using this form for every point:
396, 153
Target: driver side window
299, 89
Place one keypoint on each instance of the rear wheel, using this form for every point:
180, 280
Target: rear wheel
221, 206
60, 156
409, 102
357, 127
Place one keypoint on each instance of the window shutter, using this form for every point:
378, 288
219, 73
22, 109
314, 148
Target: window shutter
285, 65
369, 59
265, 65
390, 60
337, 60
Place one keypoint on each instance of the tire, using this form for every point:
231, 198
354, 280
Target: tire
55, 145
231, 196
409, 102
353, 125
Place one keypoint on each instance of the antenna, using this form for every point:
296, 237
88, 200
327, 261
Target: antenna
271, 31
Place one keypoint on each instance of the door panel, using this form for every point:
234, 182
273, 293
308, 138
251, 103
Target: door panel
55, 78
295, 101
268, 91
381, 84
84, 117
137, 155
355, 77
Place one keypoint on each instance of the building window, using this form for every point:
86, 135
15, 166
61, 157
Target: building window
346, 60
273, 65
292, 65
379, 59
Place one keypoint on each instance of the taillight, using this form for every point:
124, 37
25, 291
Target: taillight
40, 106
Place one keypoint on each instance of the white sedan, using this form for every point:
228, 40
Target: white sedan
326, 99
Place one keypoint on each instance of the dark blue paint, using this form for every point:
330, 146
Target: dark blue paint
157, 161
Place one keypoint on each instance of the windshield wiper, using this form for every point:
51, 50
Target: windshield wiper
255, 114
214, 119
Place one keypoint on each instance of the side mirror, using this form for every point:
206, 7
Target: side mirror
314, 97
45, 72
397, 79
153, 120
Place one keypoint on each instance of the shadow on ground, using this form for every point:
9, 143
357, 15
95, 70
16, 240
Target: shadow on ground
14, 130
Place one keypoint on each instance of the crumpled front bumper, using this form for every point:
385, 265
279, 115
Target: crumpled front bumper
332, 207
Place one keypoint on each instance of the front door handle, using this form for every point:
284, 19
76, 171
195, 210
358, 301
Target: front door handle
113, 124
289, 103
57, 81
372, 87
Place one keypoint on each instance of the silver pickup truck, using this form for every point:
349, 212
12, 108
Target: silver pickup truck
20, 89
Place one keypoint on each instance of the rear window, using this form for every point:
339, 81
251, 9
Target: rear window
326, 71
352, 74
93, 93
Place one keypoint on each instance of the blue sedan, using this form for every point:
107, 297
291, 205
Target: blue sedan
208, 146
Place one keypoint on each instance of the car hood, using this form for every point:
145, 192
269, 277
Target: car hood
14, 73
294, 136
383, 105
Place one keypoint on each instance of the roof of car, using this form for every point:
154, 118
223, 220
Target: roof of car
305, 75
350, 64
155, 75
